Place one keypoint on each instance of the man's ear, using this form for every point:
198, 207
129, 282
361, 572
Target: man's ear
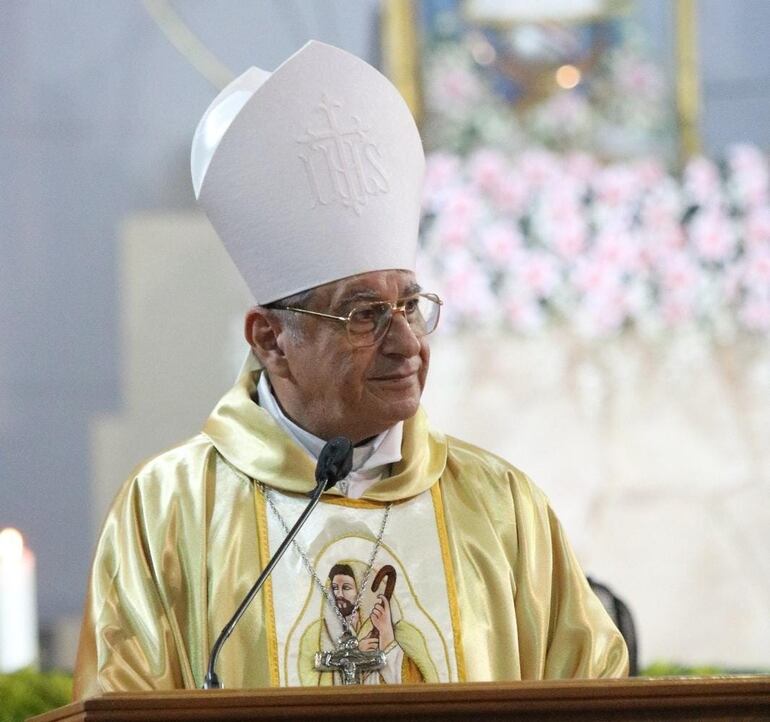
266, 334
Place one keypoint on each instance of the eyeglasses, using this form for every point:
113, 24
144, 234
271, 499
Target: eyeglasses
368, 323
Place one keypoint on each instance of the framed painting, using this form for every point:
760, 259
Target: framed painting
563, 74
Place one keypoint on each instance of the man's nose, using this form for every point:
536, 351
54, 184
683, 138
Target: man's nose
400, 338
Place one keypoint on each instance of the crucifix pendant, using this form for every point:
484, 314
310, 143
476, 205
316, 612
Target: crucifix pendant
349, 660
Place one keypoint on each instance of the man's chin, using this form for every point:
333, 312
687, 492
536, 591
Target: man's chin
400, 410
380, 413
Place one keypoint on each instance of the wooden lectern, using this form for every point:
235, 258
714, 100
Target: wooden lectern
710, 698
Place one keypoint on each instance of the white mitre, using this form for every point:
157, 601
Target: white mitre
311, 173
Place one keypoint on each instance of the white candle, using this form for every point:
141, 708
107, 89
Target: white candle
18, 607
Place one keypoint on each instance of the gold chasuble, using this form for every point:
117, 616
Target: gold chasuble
473, 569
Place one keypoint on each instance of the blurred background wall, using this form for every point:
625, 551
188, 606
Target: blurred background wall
97, 113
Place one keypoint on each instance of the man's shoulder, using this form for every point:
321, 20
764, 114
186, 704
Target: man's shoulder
466, 453
168, 488
197, 447
174, 469
469, 462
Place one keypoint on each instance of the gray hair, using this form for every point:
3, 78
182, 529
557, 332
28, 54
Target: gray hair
293, 321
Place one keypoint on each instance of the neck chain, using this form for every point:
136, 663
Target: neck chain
326, 591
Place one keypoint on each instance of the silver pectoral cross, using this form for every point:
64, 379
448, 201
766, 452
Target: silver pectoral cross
349, 660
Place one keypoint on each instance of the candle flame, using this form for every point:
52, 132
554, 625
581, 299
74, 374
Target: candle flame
11, 544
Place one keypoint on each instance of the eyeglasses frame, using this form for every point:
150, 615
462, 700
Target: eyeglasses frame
396, 306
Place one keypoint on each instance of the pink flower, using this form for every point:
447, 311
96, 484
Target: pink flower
537, 167
569, 238
538, 273
601, 313
616, 246
757, 225
561, 200
595, 275
560, 221
581, 166
511, 194
679, 274
616, 185
757, 271
442, 170
701, 181
712, 235
676, 310
450, 233
500, 242
650, 172
755, 313
524, 313
462, 206
656, 244
487, 170
662, 207
749, 174
466, 288
732, 281
457, 216
743, 156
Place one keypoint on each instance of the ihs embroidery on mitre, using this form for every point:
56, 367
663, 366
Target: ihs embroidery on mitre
342, 163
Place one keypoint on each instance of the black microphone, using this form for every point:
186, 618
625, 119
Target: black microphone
334, 463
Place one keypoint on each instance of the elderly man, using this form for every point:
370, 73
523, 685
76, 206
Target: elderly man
456, 567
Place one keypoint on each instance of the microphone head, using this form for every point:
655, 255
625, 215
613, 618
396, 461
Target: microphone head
334, 461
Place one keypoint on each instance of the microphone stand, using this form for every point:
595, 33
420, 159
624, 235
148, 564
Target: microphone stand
211, 681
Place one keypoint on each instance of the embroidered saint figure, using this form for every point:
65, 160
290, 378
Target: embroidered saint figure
377, 625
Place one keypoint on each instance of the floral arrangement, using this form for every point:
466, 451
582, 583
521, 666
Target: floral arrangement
521, 242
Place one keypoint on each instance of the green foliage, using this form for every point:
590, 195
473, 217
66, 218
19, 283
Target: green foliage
27, 693
671, 669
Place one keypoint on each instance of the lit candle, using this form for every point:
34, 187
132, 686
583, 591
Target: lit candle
18, 608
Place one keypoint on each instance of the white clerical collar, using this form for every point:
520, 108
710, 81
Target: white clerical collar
370, 460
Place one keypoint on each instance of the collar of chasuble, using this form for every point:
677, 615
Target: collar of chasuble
251, 440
